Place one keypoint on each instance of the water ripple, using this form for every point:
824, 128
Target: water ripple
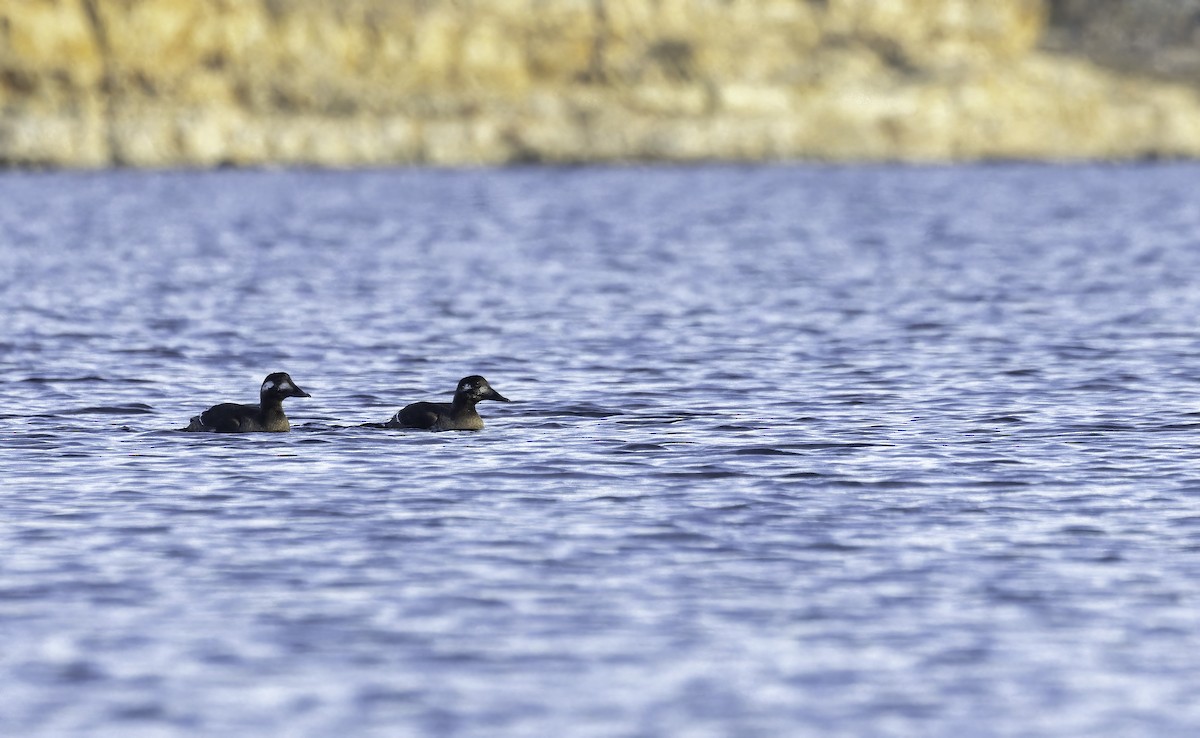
793, 451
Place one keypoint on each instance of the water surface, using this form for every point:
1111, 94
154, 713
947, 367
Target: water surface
793, 451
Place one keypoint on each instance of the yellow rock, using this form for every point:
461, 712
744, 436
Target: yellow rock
356, 82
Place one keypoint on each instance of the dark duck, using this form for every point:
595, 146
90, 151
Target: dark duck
458, 414
267, 416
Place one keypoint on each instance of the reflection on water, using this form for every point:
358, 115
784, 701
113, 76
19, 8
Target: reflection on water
875, 451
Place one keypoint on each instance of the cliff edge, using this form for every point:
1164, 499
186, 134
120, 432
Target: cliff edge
94, 83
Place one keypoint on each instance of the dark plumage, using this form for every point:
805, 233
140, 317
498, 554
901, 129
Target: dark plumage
456, 415
266, 416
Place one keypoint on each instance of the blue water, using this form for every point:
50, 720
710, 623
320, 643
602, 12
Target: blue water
793, 451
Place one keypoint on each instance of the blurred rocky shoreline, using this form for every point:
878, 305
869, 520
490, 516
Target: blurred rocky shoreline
202, 83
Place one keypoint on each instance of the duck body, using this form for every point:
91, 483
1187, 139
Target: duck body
265, 417
460, 414
229, 417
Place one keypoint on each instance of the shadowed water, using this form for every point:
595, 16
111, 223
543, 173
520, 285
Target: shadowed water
792, 451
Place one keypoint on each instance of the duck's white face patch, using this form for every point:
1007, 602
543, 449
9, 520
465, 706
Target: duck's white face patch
466, 387
285, 386
267, 386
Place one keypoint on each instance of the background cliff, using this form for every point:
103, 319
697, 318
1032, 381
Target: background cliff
346, 82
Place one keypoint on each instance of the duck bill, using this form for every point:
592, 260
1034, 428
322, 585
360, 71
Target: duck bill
494, 395
297, 392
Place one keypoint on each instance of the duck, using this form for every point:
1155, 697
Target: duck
458, 414
266, 416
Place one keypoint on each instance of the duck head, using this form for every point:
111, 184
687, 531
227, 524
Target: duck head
476, 388
278, 386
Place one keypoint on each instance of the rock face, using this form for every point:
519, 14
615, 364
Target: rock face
1158, 38
351, 82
